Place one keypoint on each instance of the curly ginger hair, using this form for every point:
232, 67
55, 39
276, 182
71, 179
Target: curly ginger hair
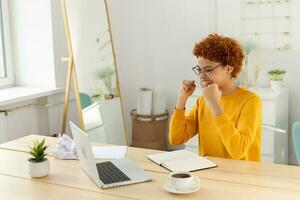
221, 49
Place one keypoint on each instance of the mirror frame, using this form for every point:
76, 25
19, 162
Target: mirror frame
71, 74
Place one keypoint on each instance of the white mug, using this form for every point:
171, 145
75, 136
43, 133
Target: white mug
181, 180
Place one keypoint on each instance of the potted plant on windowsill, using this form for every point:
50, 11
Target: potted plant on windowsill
276, 79
38, 164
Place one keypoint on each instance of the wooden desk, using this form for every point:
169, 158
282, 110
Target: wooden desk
14, 188
232, 179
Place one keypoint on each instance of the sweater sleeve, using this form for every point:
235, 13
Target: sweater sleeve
183, 127
237, 138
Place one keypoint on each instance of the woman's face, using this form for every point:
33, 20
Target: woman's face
213, 72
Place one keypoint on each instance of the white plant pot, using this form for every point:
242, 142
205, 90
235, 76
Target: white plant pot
276, 86
39, 169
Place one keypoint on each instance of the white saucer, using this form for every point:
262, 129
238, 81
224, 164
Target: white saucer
194, 188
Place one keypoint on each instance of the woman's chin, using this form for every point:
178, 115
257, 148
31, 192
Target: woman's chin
205, 84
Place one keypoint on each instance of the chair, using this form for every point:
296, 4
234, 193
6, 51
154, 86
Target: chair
296, 140
85, 100
281, 131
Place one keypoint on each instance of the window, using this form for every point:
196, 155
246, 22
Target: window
3, 73
6, 74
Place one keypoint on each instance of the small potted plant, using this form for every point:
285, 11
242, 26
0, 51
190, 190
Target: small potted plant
276, 79
38, 164
107, 76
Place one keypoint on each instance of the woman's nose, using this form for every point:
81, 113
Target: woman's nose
204, 75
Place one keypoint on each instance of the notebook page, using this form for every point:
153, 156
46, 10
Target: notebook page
172, 156
190, 164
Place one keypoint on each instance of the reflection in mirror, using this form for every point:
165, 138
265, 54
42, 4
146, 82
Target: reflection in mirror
96, 71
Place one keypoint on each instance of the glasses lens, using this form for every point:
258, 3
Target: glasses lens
197, 70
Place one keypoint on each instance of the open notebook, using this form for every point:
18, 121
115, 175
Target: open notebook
181, 160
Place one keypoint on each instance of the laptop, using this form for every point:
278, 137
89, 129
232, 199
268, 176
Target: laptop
106, 174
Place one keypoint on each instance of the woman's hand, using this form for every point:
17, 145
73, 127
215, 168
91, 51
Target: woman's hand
186, 90
205, 80
212, 96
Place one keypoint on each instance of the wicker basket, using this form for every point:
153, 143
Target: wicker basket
149, 131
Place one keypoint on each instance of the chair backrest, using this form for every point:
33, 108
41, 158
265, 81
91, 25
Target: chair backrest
296, 140
111, 114
85, 100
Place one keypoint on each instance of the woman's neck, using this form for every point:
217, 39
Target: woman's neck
228, 88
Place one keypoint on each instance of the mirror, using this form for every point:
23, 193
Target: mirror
94, 70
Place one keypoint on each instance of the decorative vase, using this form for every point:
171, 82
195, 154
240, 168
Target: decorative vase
38, 169
108, 96
276, 85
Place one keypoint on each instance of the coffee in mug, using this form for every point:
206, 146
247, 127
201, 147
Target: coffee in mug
181, 180
181, 175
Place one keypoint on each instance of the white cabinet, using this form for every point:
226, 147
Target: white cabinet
274, 147
275, 113
40, 115
23, 120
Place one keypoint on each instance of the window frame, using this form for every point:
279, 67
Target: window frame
9, 80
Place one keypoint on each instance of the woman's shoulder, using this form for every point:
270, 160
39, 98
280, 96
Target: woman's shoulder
250, 96
200, 99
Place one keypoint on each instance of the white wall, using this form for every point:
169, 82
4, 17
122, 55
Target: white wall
32, 43
154, 42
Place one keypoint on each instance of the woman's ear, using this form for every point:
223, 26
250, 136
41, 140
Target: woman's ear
229, 69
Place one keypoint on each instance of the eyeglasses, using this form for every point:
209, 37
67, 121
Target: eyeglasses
200, 71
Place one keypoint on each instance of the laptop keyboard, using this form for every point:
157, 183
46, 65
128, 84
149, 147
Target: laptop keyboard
109, 173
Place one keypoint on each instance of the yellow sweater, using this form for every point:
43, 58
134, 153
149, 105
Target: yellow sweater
234, 134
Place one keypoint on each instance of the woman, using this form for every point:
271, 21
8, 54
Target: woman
226, 118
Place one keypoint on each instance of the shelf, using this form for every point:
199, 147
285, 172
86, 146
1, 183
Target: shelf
266, 33
264, 2
268, 17
267, 26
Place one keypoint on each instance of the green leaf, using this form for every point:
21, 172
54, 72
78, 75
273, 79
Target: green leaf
38, 150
